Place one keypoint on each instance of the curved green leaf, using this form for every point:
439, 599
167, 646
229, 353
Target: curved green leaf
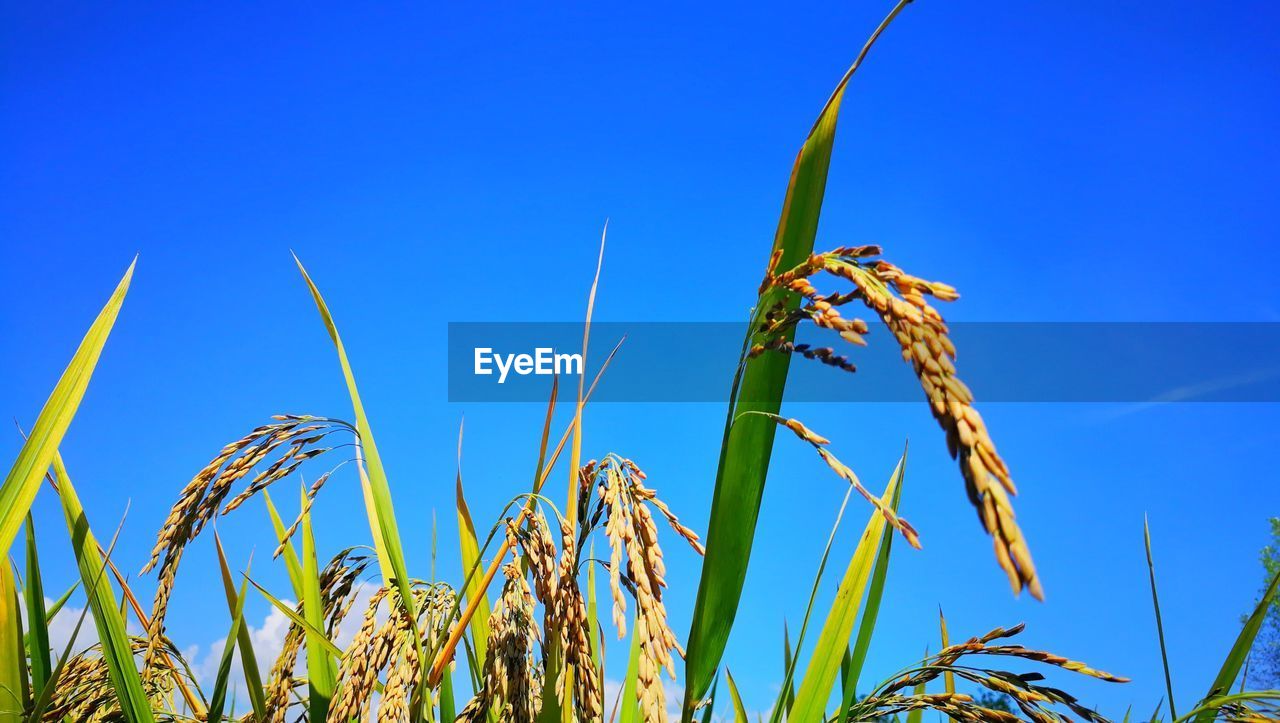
23, 481
866, 628
243, 638
1155, 601
117, 650
37, 621
321, 673
222, 680
758, 386
382, 518
469, 548
13, 660
739, 710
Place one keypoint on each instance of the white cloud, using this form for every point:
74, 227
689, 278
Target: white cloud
267, 638
63, 625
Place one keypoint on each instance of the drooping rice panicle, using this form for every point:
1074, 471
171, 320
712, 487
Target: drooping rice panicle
1032, 699
288, 442
625, 503
922, 335
339, 589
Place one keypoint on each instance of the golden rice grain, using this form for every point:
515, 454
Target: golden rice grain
900, 300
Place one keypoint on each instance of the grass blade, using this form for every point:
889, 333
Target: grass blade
917, 715
776, 715
824, 663
629, 704
788, 668
1239, 651
575, 450
57, 604
46, 694
248, 659
862, 644
1155, 601
593, 618
758, 385
23, 480
313, 632
321, 675
117, 651
739, 710
469, 548
291, 562
948, 678
14, 692
708, 711
1212, 706
37, 620
448, 709
218, 697
386, 533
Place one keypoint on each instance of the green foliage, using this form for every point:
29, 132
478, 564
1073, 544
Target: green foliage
117, 650
757, 387
995, 701
33, 461
1264, 660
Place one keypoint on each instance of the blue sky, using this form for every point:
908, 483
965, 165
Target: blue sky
1082, 161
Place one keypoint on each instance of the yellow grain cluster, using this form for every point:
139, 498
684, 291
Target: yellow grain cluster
901, 302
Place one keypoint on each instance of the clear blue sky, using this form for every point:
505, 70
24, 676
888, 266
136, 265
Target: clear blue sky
1072, 161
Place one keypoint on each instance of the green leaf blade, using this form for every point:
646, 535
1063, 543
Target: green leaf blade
37, 453
828, 653
13, 669
37, 622
758, 387
243, 637
469, 548
321, 672
377, 490
117, 650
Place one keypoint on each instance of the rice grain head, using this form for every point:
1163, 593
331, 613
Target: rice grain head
901, 302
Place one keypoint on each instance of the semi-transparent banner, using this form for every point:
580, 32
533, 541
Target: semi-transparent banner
998, 361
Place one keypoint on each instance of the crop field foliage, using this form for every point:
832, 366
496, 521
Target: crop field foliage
520, 636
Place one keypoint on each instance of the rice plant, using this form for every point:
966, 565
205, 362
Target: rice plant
520, 637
